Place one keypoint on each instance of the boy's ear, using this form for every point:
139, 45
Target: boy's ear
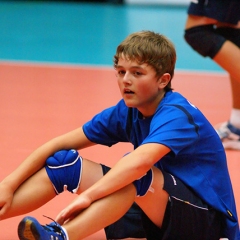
164, 80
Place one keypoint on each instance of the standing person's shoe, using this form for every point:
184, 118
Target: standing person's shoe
229, 135
30, 229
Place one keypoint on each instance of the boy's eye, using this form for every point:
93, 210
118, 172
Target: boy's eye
134, 73
137, 73
121, 72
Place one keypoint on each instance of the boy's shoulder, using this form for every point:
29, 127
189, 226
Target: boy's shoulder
172, 97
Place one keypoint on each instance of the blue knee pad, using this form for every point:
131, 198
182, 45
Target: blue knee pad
64, 169
143, 184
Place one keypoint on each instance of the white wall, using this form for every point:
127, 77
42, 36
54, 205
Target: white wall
175, 2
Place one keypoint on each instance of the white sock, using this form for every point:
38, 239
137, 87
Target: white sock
65, 231
235, 117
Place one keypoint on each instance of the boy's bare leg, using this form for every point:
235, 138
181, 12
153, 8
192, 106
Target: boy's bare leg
159, 197
33, 193
38, 189
109, 209
101, 213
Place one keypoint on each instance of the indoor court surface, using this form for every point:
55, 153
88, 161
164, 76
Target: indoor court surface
56, 73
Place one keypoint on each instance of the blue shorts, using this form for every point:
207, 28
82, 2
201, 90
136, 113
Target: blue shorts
186, 217
226, 11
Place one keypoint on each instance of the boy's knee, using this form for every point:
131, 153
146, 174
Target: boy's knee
143, 184
64, 169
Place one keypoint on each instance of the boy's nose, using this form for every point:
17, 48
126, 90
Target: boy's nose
127, 77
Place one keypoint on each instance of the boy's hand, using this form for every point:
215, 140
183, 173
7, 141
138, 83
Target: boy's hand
73, 209
6, 198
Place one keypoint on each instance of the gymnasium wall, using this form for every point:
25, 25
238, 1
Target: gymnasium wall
167, 2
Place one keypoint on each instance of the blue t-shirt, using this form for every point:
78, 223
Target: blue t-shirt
197, 156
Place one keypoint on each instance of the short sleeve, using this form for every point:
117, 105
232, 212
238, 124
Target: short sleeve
174, 127
109, 126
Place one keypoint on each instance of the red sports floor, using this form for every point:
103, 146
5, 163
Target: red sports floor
39, 102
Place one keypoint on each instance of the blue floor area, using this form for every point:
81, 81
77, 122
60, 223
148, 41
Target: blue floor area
88, 33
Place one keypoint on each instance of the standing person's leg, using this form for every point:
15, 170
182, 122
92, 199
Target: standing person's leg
228, 58
235, 114
222, 44
235, 86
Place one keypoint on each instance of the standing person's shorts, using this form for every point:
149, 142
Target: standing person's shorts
187, 217
226, 11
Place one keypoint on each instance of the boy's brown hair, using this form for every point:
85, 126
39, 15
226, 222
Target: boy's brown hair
150, 48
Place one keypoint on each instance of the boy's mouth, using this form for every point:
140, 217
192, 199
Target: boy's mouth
128, 91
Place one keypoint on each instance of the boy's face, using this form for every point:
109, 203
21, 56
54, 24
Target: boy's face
139, 85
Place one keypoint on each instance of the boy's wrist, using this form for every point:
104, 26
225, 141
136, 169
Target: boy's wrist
10, 184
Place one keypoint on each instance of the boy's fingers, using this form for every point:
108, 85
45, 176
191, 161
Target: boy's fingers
67, 214
3, 210
60, 218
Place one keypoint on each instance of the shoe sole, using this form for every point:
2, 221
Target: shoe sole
27, 231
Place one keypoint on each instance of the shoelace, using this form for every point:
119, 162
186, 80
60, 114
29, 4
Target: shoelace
56, 228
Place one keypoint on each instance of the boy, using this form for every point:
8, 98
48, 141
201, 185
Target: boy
177, 173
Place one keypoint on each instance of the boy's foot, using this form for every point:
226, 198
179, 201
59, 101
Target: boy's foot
229, 135
30, 229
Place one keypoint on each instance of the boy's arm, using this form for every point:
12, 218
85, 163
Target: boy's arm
129, 168
75, 139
